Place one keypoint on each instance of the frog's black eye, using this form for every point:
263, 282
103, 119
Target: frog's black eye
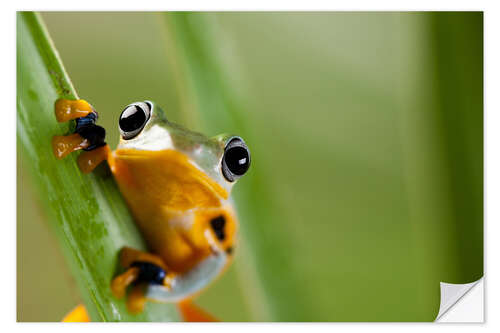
133, 119
236, 159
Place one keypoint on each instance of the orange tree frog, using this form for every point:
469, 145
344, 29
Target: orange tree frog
177, 184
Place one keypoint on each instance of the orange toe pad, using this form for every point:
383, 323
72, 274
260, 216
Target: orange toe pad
67, 109
62, 146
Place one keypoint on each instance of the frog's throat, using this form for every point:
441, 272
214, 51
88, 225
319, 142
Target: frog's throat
159, 165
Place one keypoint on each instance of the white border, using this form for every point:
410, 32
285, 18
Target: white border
492, 144
255, 5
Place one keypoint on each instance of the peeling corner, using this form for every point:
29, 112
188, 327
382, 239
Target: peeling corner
451, 293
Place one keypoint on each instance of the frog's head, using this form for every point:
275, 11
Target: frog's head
223, 158
169, 173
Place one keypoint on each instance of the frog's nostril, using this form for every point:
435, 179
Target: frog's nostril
217, 225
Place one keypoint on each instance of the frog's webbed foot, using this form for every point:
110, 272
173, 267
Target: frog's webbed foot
87, 135
142, 269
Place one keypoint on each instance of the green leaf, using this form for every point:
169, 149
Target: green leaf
87, 212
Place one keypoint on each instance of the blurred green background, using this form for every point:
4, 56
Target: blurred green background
367, 129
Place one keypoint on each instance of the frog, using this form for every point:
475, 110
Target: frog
177, 185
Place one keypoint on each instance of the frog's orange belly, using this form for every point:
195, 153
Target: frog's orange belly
161, 188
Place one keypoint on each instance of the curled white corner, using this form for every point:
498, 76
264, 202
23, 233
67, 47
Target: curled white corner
451, 294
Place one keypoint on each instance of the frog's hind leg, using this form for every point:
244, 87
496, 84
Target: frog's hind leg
142, 268
78, 314
190, 312
87, 135
193, 313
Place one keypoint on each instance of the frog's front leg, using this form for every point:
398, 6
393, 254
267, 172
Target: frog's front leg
142, 269
87, 135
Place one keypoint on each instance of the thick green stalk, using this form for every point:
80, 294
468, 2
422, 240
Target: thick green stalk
87, 212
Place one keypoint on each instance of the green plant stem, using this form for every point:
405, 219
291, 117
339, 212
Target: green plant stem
87, 212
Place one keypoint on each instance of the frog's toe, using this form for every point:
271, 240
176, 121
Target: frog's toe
66, 144
122, 281
67, 109
136, 299
87, 135
88, 160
